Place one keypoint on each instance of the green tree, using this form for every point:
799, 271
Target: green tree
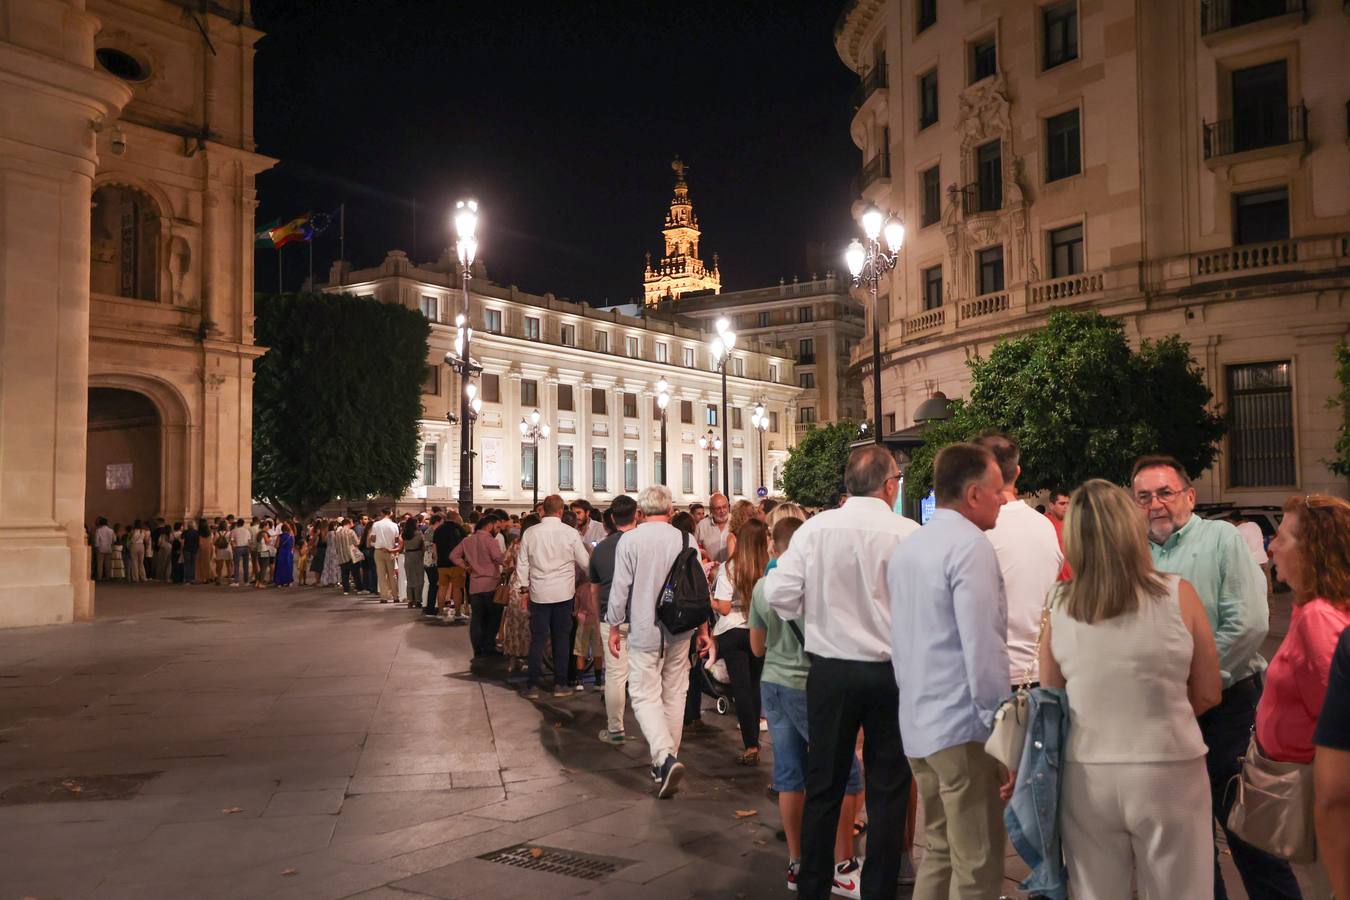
1082, 404
814, 470
336, 399
1340, 463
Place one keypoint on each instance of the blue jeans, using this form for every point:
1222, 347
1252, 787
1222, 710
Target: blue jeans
785, 708
241, 561
1226, 729
555, 620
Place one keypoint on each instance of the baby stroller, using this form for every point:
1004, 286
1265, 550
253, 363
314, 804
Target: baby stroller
714, 682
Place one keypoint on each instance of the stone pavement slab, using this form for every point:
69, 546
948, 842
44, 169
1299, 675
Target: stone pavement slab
299, 744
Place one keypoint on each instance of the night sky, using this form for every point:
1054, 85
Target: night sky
562, 119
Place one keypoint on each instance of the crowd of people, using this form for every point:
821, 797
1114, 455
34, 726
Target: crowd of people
878, 655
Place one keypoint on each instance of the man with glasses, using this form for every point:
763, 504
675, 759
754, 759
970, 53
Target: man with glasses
711, 532
1213, 557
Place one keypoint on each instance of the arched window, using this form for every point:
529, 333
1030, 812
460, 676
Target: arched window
124, 244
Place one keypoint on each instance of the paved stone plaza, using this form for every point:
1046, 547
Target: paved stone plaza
303, 744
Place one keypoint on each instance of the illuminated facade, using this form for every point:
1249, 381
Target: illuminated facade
592, 374
1179, 166
680, 270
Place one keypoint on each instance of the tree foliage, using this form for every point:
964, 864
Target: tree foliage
1340, 463
336, 399
814, 470
1082, 404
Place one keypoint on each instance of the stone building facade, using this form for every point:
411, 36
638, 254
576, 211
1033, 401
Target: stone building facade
1180, 166
126, 213
818, 321
592, 375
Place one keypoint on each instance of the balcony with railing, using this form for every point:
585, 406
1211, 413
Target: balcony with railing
874, 170
982, 197
1221, 15
1279, 127
984, 306
924, 322
872, 81
1050, 290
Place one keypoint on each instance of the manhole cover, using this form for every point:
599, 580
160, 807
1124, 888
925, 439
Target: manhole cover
553, 861
76, 787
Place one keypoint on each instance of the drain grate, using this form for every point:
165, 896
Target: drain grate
553, 861
75, 787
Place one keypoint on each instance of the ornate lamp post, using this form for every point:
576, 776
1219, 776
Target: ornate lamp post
533, 430
760, 420
711, 442
721, 345
867, 264
662, 401
475, 407
460, 360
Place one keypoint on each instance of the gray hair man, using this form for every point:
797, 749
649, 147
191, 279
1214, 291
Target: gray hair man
1214, 558
833, 579
658, 662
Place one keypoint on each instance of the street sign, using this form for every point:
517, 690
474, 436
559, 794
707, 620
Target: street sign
761, 492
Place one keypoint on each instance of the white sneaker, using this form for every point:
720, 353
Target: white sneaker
848, 879
580, 688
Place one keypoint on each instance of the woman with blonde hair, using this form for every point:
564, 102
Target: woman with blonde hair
1134, 652
785, 510
731, 600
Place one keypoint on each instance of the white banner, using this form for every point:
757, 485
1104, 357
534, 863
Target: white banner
492, 462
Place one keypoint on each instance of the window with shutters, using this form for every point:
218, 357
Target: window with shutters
529, 392
565, 480
630, 406
599, 469
1261, 426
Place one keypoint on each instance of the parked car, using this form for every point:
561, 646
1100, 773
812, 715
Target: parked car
1267, 517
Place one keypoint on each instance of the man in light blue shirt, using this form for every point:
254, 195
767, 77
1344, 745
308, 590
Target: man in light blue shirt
1214, 558
949, 649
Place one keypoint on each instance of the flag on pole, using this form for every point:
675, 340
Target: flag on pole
301, 228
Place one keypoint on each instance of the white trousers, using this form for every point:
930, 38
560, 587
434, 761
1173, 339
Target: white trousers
1143, 822
658, 683
616, 679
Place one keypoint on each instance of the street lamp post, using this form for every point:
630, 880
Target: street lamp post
475, 407
760, 420
722, 344
662, 401
867, 264
710, 441
466, 223
532, 429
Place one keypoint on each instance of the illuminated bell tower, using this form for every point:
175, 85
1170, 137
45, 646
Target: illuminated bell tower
680, 270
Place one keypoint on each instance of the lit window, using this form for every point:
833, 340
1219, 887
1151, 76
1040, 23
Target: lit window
431, 307
661, 351
568, 335
602, 342
492, 321
630, 347
531, 328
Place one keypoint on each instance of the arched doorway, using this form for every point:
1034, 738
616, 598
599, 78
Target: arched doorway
123, 474
124, 244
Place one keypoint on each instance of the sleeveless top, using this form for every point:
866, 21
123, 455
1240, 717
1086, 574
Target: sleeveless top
1126, 681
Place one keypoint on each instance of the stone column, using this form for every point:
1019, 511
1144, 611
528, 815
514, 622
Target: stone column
581, 453
511, 439
52, 102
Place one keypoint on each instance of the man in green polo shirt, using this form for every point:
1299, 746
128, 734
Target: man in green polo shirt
1214, 558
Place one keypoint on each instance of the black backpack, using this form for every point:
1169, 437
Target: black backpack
684, 604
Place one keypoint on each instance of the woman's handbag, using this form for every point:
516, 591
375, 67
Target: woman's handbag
1009, 736
1274, 806
502, 595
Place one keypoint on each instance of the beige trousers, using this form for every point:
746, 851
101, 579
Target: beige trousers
658, 683
963, 820
1143, 822
384, 570
616, 679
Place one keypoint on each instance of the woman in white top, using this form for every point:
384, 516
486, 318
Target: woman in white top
731, 600
1133, 649
138, 543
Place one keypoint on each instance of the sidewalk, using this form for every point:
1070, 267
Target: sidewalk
213, 743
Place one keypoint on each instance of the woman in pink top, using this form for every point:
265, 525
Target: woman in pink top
1312, 556
1311, 553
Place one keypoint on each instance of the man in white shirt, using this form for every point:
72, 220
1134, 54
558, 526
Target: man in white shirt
1256, 542
712, 531
546, 567
658, 662
833, 579
385, 541
240, 538
103, 546
591, 531
1029, 558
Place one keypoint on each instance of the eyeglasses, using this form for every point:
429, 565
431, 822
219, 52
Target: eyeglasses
1163, 495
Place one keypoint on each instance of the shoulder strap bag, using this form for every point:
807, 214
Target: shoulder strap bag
1009, 736
1274, 806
